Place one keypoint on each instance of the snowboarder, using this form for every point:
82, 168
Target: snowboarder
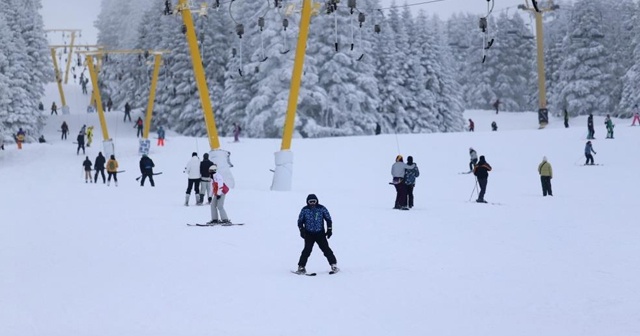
80, 140
410, 174
590, 129
481, 171
127, 112
546, 174
494, 126
65, 130
473, 159
54, 108
192, 169
609, 124
89, 135
146, 169
139, 126
220, 191
566, 118
41, 139
109, 104
112, 170
236, 132
636, 115
160, 136
472, 126
496, 105
205, 179
311, 225
588, 149
397, 173
20, 137
98, 165
87, 170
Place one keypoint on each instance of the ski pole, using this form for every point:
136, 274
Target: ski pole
475, 186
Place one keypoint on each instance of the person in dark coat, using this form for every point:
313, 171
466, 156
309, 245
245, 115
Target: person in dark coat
98, 165
566, 118
80, 140
65, 130
109, 104
146, 168
494, 126
378, 129
410, 174
205, 179
472, 126
127, 112
590, 129
481, 171
54, 108
496, 105
311, 225
87, 170
588, 149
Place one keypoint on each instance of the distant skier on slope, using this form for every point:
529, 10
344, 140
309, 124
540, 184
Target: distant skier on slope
609, 124
636, 115
65, 130
139, 125
397, 174
98, 165
588, 149
591, 131
80, 140
410, 174
112, 170
472, 126
311, 225
546, 174
146, 169
192, 169
494, 126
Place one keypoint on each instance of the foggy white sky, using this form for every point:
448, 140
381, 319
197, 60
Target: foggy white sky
80, 14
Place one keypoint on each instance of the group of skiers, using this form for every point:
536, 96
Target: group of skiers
99, 167
203, 176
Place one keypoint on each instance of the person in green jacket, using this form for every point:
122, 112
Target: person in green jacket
546, 173
610, 126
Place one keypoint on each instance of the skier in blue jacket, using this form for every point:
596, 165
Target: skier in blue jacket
311, 224
588, 149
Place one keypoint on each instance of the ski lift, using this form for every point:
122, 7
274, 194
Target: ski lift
361, 19
285, 24
261, 25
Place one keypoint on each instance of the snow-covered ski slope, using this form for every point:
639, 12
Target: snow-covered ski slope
85, 259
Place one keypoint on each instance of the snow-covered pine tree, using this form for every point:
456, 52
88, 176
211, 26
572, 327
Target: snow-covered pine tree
346, 75
513, 56
622, 33
389, 80
479, 90
5, 84
584, 81
436, 58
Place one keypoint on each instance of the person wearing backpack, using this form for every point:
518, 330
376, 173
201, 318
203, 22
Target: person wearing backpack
139, 126
220, 191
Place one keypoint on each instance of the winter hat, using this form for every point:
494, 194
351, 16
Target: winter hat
205, 156
213, 168
312, 197
481, 158
113, 157
399, 158
194, 154
410, 160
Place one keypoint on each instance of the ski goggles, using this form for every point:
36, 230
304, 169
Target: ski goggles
312, 201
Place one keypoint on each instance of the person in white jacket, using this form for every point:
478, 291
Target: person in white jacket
193, 171
217, 202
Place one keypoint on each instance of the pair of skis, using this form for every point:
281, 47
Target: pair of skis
314, 273
139, 177
214, 224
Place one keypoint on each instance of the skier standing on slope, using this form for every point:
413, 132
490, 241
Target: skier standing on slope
80, 140
566, 118
146, 169
205, 179
609, 124
140, 126
160, 136
220, 191
481, 171
588, 149
473, 159
591, 131
112, 170
99, 167
636, 115
311, 225
89, 136
192, 169
87, 170
397, 173
410, 175
546, 174
472, 126
65, 130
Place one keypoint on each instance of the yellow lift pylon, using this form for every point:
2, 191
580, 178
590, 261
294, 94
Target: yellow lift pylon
72, 32
93, 74
53, 49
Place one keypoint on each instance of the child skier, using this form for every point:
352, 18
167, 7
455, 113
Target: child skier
588, 149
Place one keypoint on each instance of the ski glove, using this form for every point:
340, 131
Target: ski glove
329, 233
218, 196
302, 234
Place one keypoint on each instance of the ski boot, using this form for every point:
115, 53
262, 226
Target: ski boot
301, 270
334, 269
213, 222
225, 222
